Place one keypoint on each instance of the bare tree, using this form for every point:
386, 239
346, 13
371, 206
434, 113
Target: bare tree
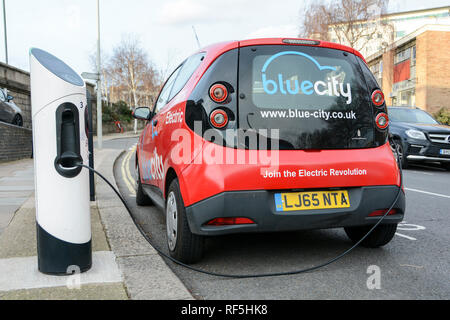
351, 22
315, 21
169, 66
105, 73
129, 73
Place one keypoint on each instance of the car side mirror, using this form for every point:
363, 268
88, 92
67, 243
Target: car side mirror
9, 98
142, 113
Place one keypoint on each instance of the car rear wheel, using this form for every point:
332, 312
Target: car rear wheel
182, 243
381, 236
18, 121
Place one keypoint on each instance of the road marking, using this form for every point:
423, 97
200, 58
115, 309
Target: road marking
425, 173
124, 173
430, 193
410, 265
409, 227
127, 167
405, 236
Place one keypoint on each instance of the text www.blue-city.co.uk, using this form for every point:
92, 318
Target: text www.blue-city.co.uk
305, 114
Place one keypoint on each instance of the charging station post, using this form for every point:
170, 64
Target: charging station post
58, 98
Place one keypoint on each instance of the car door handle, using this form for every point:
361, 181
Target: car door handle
155, 122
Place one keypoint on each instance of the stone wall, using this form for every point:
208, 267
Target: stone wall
128, 127
15, 142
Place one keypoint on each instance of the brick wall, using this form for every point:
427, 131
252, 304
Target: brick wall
15, 142
433, 51
421, 71
388, 74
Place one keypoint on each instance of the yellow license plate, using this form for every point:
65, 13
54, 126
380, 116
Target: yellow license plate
294, 201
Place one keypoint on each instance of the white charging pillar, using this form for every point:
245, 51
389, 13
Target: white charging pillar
58, 103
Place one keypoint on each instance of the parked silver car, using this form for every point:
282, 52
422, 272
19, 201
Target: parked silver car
9, 111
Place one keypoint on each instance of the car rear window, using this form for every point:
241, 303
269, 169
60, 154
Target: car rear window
316, 97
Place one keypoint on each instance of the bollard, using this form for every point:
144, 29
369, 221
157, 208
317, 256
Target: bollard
58, 99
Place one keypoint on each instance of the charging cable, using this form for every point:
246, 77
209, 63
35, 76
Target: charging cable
260, 275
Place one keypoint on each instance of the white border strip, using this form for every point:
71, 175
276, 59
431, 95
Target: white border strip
22, 273
430, 193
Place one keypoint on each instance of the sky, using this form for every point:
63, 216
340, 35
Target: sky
68, 28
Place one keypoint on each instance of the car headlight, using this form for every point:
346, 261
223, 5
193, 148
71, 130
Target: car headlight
416, 134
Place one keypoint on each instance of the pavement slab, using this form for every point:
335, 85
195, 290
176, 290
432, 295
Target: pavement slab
19, 239
113, 291
22, 273
147, 278
16, 186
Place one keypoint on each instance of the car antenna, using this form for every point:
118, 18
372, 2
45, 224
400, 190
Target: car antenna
196, 37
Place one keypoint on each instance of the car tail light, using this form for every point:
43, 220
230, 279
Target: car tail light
378, 98
218, 93
382, 120
229, 221
382, 212
218, 118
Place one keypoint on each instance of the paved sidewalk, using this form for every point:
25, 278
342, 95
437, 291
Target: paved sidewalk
146, 275
125, 266
16, 186
20, 279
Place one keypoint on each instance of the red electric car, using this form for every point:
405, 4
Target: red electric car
269, 135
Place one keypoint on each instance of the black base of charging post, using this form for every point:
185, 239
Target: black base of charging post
58, 257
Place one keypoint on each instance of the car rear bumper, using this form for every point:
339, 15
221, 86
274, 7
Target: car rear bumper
259, 206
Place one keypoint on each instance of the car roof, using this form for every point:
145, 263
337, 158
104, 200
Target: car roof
221, 47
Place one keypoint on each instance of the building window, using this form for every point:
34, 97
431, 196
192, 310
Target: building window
377, 71
407, 98
413, 56
402, 55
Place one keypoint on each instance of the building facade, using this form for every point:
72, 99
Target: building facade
415, 69
382, 30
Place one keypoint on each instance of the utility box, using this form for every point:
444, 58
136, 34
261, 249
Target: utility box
60, 144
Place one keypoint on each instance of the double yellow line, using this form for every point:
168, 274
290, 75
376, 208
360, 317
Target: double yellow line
126, 174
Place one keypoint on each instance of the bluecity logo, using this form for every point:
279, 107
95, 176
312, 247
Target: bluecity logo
331, 88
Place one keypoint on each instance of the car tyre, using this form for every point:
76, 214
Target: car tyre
183, 245
399, 149
446, 165
142, 199
18, 121
379, 237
